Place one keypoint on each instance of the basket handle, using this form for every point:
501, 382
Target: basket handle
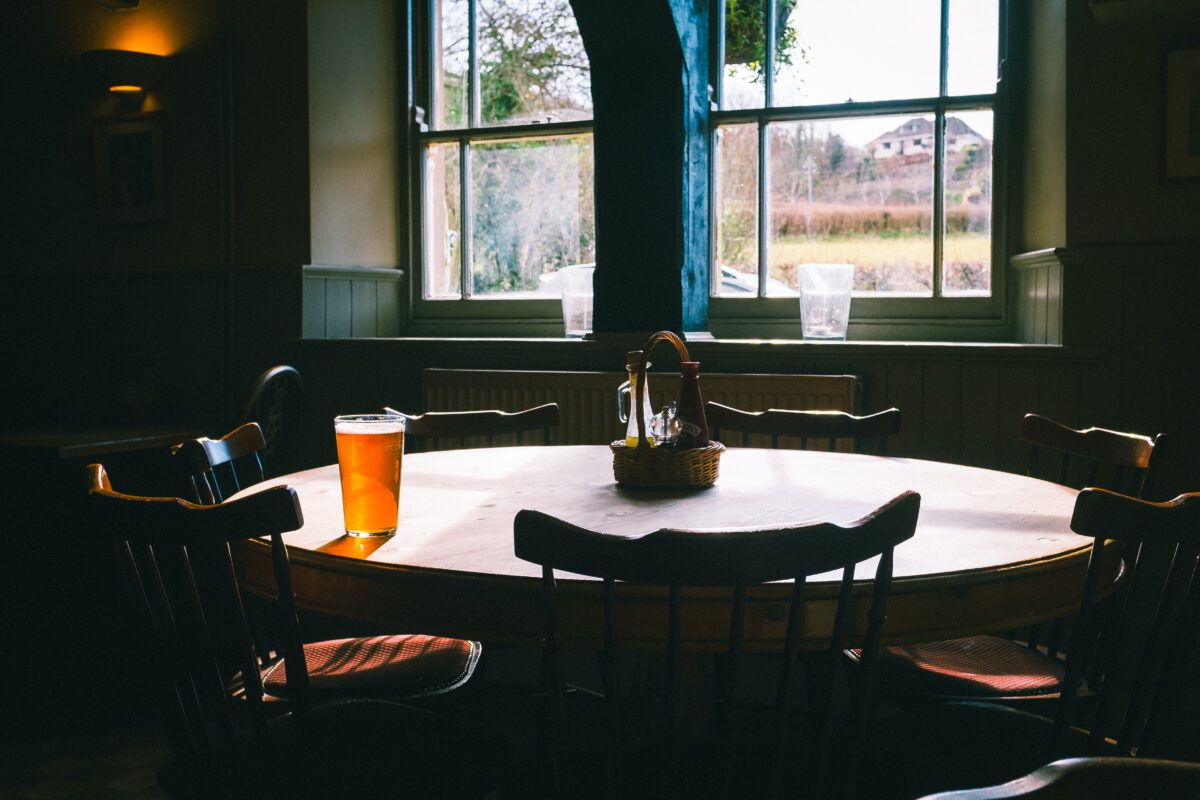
638, 404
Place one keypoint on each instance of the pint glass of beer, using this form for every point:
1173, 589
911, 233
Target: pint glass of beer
370, 448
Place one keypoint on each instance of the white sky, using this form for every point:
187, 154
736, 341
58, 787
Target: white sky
879, 50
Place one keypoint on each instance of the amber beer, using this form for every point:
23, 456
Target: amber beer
370, 448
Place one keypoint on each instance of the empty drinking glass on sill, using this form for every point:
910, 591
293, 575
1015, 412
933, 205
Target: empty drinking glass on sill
576, 285
825, 299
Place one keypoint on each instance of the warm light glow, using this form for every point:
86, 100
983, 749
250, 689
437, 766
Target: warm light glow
161, 29
145, 38
125, 89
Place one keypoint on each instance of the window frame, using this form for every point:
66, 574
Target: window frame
895, 317
468, 314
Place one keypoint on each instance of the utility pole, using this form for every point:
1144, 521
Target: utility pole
810, 167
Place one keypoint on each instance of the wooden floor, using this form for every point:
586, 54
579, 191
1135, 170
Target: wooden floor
114, 759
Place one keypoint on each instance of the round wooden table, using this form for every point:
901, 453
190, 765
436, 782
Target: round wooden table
993, 551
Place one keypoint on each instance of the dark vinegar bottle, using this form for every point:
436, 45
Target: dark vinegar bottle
693, 425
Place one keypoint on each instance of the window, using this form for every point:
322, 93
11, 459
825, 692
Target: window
856, 132
504, 149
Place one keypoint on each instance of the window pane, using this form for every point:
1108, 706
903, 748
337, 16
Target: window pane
854, 191
967, 246
451, 78
736, 204
532, 66
742, 84
532, 211
443, 223
974, 44
863, 50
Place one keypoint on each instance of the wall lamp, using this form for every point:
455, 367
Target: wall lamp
124, 72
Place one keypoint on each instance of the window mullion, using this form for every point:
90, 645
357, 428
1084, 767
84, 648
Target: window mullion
473, 63
423, 80
769, 54
764, 206
944, 63
466, 251
938, 224
466, 222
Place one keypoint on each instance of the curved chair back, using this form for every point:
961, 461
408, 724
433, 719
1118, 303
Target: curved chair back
867, 433
444, 430
1124, 462
217, 468
275, 401
737, 560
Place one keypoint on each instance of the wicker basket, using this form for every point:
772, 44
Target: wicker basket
662, 467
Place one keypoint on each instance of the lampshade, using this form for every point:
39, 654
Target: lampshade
124, 70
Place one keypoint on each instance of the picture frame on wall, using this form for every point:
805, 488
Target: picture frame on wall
129, 169
1181, 115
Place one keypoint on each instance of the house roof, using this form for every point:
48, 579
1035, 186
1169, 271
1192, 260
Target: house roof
924, 125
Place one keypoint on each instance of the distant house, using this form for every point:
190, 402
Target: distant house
916, 136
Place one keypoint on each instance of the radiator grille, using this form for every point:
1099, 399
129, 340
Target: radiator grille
587, 400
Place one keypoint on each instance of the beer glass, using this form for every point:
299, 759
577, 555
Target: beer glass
370, 448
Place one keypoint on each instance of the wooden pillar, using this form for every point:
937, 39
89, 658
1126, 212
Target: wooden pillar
649, 66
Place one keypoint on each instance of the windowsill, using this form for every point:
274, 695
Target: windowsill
702, 345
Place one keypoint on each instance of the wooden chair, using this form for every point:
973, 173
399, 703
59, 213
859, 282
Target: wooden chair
274, 404
830, 426
736, 560
244, 721
1093, 779
1134, 684
1128, 463
1028, 667
215, 469
443, 430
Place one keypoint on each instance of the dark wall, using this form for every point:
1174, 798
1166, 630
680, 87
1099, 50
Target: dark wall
1116, 79
117, 321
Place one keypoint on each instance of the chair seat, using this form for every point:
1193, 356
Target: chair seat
975, 666
411, 665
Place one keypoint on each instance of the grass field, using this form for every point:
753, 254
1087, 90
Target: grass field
900, 263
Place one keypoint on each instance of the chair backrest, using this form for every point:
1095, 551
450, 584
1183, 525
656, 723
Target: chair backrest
179, 575
736, 559
1153, 629
444, 430
1124, 462
828, 427
214, 469
1093, 779
274, 404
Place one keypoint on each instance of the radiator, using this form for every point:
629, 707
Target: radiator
587, 400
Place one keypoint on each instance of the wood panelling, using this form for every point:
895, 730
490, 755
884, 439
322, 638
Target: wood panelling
942, 412
980, 393
1037, 289
352, 302
905, 391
